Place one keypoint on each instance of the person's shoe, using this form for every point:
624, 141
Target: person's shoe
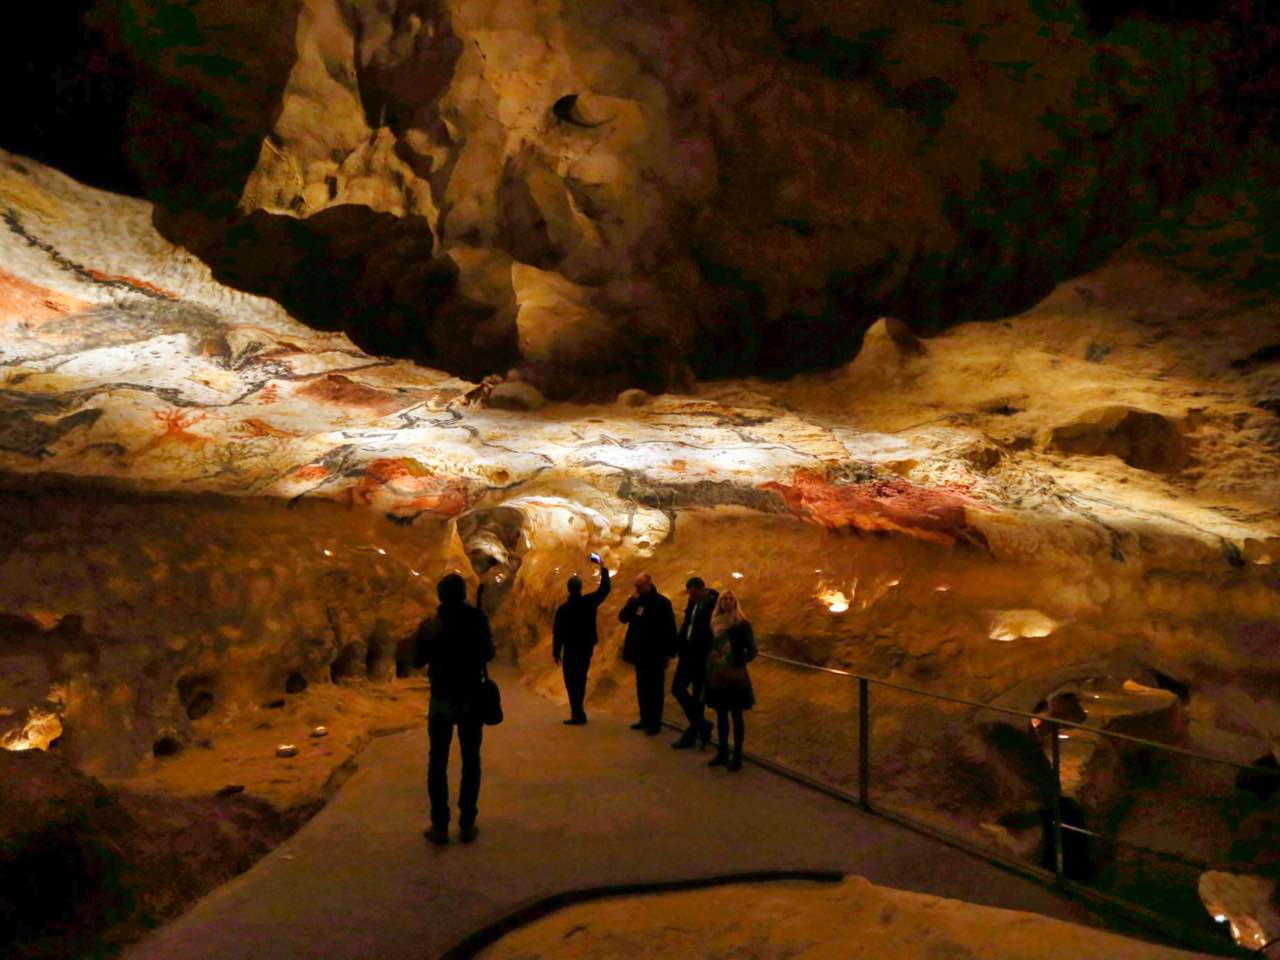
639, 725
734, 765
437, 835
652, 731
719, 760
686, 742
468, 833
575, 721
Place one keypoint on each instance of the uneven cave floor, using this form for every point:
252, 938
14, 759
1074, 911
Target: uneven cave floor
806, 921
239, 751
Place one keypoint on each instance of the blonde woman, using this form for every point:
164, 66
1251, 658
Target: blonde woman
729, 692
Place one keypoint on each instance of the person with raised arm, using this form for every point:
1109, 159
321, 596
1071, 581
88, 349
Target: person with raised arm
574, 637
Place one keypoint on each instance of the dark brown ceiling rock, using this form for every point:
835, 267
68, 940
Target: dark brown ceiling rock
744, 187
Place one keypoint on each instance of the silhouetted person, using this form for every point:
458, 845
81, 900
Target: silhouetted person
573, 638
729, 691
650, 642
454, 646
692, 647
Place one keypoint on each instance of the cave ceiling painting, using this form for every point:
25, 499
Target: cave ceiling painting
123, 359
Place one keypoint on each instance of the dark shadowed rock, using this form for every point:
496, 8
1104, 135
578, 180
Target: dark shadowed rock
1142, 439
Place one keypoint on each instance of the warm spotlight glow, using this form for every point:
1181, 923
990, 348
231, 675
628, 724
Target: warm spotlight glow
415, 573
1010, 625
381, 551
736, 575
835, 599
41, 729
328, 552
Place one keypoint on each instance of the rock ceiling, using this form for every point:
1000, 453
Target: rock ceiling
737, 188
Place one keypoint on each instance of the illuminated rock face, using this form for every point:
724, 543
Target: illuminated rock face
275, 489
741, 187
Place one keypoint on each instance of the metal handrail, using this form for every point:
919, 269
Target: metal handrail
1059, 873
1021, 713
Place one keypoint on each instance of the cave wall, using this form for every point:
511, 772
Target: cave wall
738, 187
135, 621
1103, 464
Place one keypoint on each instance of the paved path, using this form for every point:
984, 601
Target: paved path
560, 808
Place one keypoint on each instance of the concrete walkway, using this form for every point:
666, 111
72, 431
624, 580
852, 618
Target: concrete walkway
560, 808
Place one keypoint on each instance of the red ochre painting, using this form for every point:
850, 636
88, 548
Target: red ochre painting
884, 505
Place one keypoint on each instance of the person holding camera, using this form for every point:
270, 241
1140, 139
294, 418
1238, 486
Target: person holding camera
455, 646
573, 638
650, 643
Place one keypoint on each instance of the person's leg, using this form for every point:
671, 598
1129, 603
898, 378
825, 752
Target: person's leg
575, 683
640, 702
580, 691
722, 749
440, 735
703, 725
470, 734
656, 688
566, 667
660, 692
681, 683
739, 730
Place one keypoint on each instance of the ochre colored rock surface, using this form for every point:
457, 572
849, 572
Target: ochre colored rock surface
209, 505
811, 922
742, 186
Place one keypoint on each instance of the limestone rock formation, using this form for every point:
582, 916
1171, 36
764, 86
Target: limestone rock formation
78, 860
213, 510
1142, 439
740, 186
781, 920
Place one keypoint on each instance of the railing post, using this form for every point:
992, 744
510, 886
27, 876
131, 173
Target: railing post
864, 743
1058, 865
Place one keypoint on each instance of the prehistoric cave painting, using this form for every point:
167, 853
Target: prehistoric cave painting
883, 504
119, 324
254, 427
22, 433
344, 392
27, 304
667, 496
174, 424
403, 487
133, 283
123, 283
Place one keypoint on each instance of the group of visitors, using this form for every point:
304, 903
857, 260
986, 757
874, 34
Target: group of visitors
712, 647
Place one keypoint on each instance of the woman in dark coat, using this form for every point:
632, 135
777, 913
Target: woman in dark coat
729, 692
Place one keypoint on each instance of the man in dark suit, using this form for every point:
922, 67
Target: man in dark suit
454, 646
650, 642
573, 638
693, 646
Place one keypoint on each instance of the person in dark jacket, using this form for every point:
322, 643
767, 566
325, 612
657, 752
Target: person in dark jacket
650, 642
455, 645
573, 638
693, 644
729, 691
